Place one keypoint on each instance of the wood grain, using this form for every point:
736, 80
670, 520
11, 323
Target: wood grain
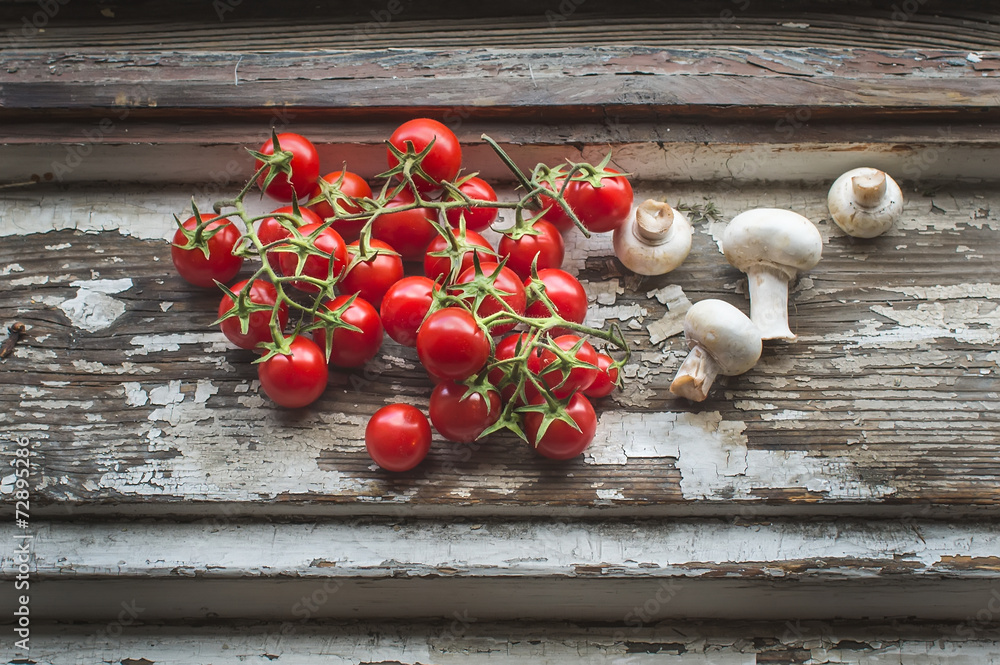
887, 401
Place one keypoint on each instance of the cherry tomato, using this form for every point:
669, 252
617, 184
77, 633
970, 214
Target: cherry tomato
565, 292
352, 186
259, 328
548, 245
329, 242
297, 379
405, 306
507, 282
476, 219
371, 279
398, 437
444, 159
220, 264
561, 441
607, 376
451, 345
351, 348
507, 349
578, 378
271, 230
601, 209
408, 231
462, 420
437, 267
305, 167
555, 215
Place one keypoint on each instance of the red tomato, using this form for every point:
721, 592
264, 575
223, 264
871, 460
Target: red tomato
298, 379
351, 348
579, 378
405, 306
548, 245
398, 437
601, 209
220, 264
507, 282
462, 420
451, 345
259, 328
352, 186
561, 441
271, 230
438, 268
476, 219
555, 215
329, 242
305, 168
507, 349
444, 159
607, 376
371, 279
408, 231
565, 292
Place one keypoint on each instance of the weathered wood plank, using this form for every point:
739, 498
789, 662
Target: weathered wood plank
889, 398
514, 569
523, 83
460, 640
552, 24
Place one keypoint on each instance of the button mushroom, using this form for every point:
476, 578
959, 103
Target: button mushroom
655, 241
771, 246
722, 339
865, 202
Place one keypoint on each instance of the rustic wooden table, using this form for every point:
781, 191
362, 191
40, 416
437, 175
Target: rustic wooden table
848, 482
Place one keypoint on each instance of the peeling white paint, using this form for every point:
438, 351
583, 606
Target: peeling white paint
11, 268
93, 308
134, 394
126, 367
34, 280
714, 461
603, 293
671, 323
62, 245
215, 342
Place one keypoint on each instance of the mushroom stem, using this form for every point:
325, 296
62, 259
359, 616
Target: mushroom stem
769, 301
869, 188
653, 222
696, 375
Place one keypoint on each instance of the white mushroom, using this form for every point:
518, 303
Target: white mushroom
655, 241
722, 339
771, 246
865, 202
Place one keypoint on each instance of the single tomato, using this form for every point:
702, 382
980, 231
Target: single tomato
505, 282
371, 279
345, 188
350, 348
296, 379
398, 437
548, 246
561, 441
438, 268
444, 159
477, 218
565, 292
220, 264
408, 231
459, 417
304, 164
259, 323
330, 264
606, 379
561, 383
405, 306
451, 345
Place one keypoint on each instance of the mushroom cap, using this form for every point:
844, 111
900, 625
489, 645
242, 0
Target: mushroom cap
773, 237
655, 241
727, 335
865, 202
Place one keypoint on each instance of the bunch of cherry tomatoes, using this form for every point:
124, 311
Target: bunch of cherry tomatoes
499, 329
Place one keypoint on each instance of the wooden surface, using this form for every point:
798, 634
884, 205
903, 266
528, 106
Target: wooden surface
888, 398
461, 640
163, 474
